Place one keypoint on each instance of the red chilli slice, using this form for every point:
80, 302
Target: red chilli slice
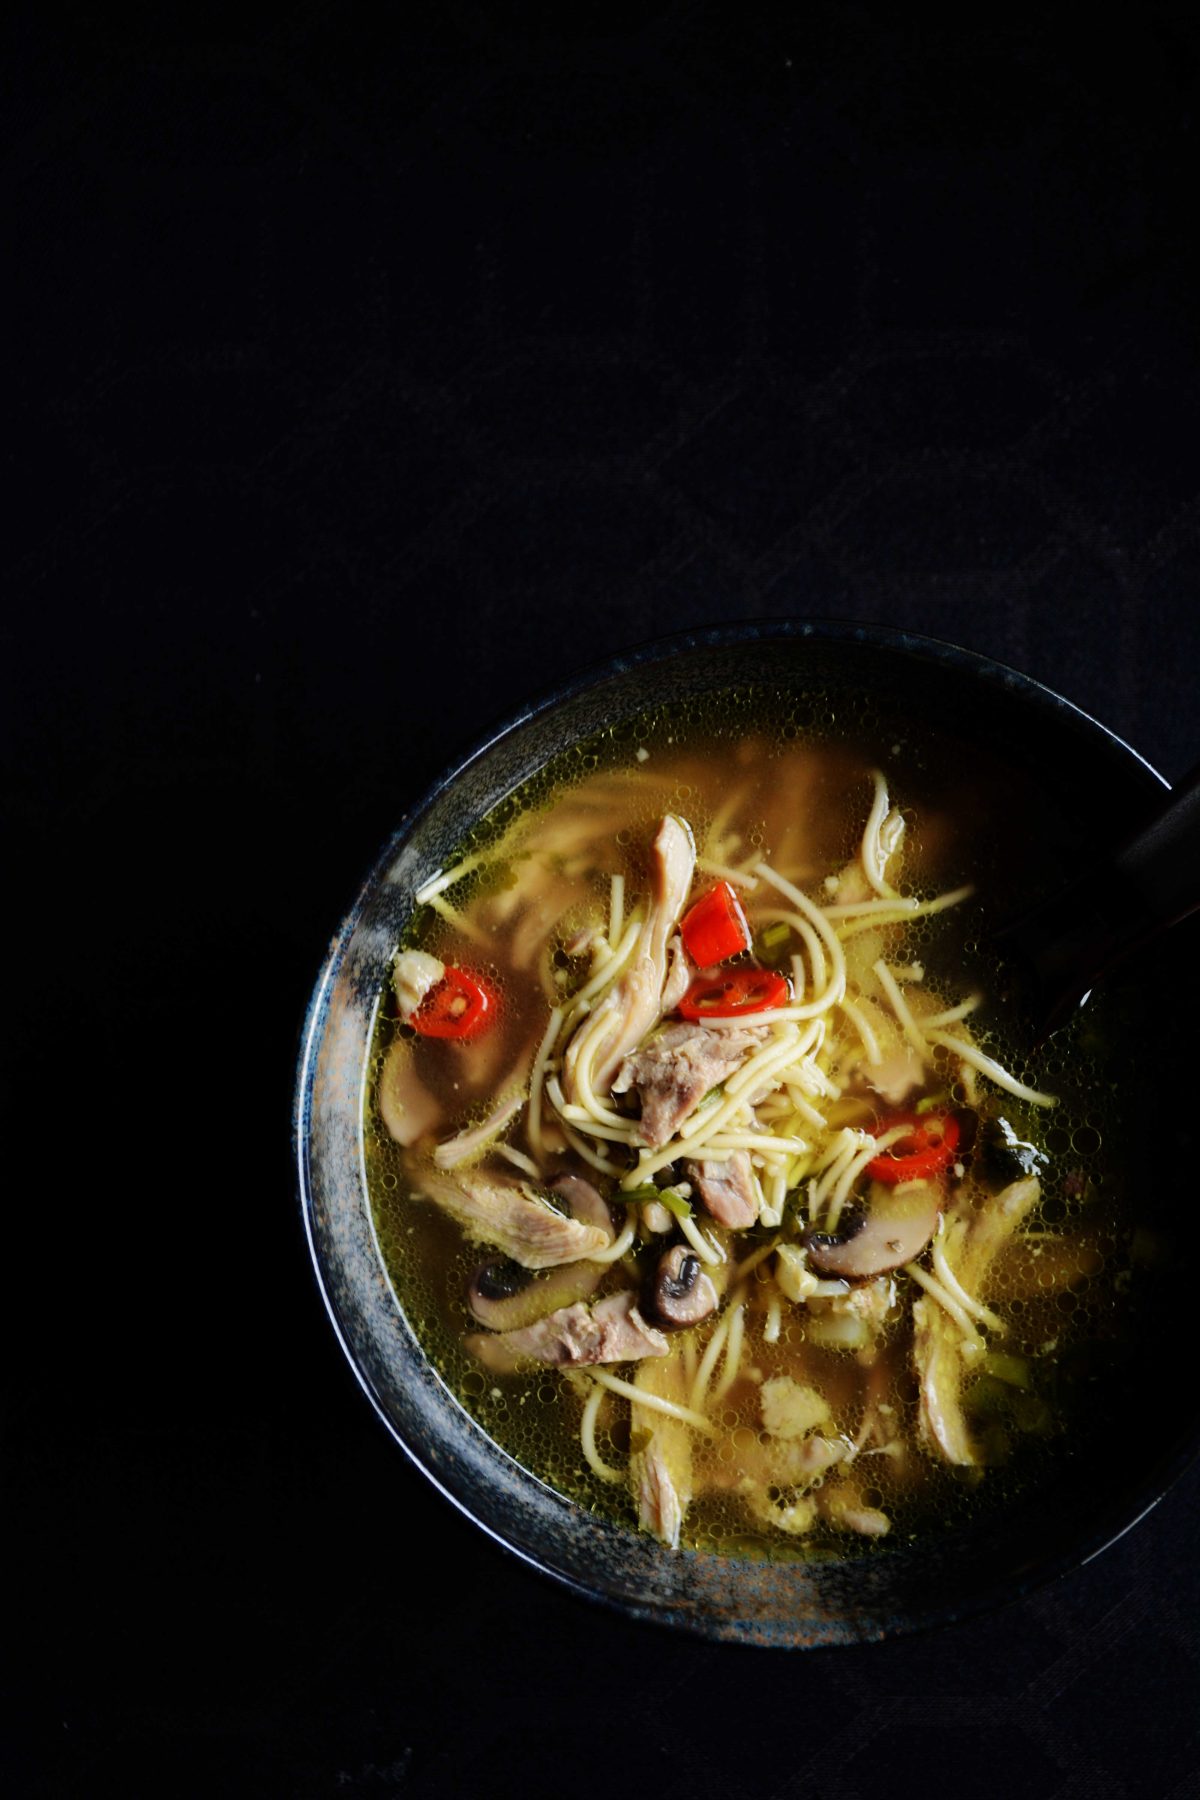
738, 992
461, 1006
926, 1149
715, 928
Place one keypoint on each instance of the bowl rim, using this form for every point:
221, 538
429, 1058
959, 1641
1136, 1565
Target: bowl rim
1112, 1522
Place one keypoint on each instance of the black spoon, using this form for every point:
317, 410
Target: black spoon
1068, 944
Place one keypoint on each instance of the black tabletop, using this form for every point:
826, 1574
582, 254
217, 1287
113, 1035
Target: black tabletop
364, 382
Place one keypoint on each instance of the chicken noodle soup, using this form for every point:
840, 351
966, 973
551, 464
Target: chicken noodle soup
704, 1170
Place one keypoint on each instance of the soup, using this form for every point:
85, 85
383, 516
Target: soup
704, 1153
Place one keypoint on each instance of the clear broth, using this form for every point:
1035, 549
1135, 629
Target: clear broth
806, 793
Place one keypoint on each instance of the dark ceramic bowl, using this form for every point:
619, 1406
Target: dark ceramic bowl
1087, 777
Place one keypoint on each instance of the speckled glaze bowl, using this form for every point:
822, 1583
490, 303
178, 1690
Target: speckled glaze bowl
1095, 1497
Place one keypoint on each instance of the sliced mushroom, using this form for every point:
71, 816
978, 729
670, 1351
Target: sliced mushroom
1006, 1157
683, 1293
506, 1297
896, 1225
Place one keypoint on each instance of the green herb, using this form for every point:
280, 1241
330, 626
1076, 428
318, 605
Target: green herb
932, 1103
772, 943
666, 1196
1012, 1370
639, 1195
674, 1202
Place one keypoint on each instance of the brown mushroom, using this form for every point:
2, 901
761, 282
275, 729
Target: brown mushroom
895, 1226
506, 1297
683, 1293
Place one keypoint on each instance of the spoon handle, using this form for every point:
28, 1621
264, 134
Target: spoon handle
1099, 920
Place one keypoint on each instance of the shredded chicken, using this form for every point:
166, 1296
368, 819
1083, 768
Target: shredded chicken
989, 1229
878, 1429
727, 1189
898, 1075
660, 1467
510, 1215
937, 1356
679, 977
675, 1070
466, 1144
851, 886
790, 1409
586, 1202
414, 974
633, 1006
765, 1461
939, 1348
842, 1504
611, 1331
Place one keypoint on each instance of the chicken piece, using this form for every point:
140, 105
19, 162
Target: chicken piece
878, 1430
466, 1144
679, 976
727, 1189
586, 1202
548, 896
896, 1226
853, 1320
511, 1215
414, 974
790, 1409
842, 1504
895, 1077
778, 1462
940, 1351
505, 1297
937, 1357
611, 1331
850, 886
676, 1069
584, 941
406, 1106
634, 1004
989, 1230
660, 1468
793, 1516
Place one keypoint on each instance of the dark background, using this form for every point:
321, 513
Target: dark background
362, 383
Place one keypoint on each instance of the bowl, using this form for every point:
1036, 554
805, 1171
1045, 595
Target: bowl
1089, 778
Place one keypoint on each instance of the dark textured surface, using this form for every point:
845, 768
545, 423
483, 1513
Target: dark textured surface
361, 386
